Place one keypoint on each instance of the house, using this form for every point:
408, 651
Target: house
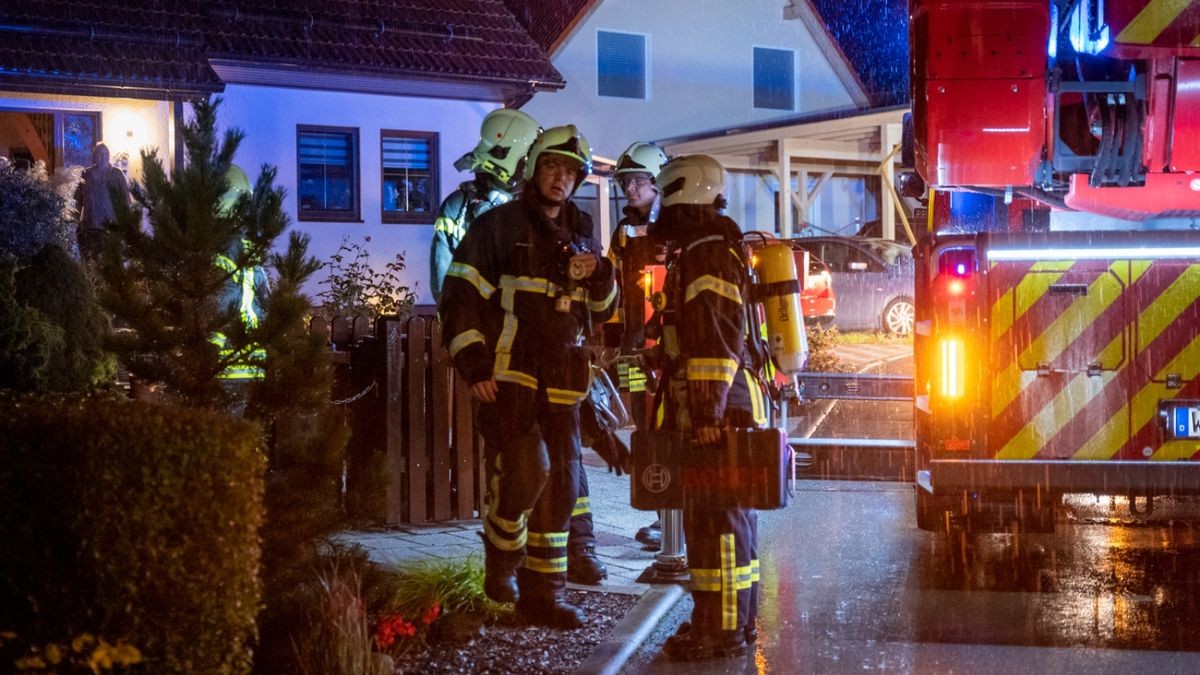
744, 75
362, 106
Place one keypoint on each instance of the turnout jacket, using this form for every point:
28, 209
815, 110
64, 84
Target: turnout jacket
458, 210
500, 296
707, 286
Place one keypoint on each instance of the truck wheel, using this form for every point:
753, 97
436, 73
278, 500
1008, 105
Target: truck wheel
899, 316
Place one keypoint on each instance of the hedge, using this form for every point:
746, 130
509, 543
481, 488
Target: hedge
131, 521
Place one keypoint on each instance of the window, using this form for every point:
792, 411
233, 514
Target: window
774, 78
60, 139
621, 64
410, 171
327, 176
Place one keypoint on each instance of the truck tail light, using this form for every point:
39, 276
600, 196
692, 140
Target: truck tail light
953, 368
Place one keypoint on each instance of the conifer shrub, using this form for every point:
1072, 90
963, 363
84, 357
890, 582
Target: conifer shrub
134, 522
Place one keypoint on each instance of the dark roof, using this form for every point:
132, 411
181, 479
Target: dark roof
548, 20
873, 36
172, 45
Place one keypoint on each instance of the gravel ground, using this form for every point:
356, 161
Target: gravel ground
508, 646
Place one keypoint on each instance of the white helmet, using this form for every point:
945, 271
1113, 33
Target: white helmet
565, 140
692, 179
504, 138
641, 157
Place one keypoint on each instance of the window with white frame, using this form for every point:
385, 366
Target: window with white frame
410, 176
621, 64
774, 78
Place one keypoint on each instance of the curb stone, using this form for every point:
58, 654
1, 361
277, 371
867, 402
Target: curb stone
609, 656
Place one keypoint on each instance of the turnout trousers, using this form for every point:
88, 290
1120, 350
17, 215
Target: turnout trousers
534, 456
722, 544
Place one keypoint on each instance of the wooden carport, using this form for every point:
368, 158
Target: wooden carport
852, 142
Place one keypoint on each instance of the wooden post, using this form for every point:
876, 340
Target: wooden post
392, 415
417, 464
441, 417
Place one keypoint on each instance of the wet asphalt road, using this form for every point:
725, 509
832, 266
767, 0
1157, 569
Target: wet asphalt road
851, 585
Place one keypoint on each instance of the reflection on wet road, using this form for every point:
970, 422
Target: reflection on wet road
850, 585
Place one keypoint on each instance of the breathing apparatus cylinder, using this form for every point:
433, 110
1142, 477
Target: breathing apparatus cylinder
779, 291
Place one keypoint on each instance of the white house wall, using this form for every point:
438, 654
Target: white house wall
269, 117
699, 70
127, 125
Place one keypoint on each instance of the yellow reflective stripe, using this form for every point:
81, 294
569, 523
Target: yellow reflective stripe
721, 370
729, 604
708, 282
1151, 21
508, 282
449, 226
501, 542
509, 526
582, 505
515, 377
225, 263
465, 338
564, 396
708, 580
601, 305
757, 407
755, 570
546, 565
472, 276
548, 539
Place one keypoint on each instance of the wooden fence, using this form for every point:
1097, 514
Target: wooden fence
410, 410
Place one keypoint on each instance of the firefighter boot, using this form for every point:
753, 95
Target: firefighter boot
689, 645
583, 567
500, 584
551, 612
749, 632
650, 536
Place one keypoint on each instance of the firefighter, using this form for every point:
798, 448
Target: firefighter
525, 286
635, 172
504, 139
497, 160
710, 386
245, 292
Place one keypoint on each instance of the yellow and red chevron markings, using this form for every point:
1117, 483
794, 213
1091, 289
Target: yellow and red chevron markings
1104, 354
1157, 23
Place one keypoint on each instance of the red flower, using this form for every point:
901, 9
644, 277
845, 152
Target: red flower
431, 614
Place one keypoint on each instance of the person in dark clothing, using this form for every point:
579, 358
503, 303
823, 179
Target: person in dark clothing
710, 386
525, 286
101, 185
635, 172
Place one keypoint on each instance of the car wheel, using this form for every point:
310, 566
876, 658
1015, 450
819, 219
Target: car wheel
898, 316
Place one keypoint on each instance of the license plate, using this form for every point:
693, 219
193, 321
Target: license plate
1186, 423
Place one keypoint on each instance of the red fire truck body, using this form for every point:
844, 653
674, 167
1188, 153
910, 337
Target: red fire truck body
1057, 343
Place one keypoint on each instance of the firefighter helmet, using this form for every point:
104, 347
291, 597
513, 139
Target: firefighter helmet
504, 137
692, 179
641, 157
567, 141
239, 184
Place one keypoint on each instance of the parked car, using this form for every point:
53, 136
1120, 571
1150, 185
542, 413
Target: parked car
872, 280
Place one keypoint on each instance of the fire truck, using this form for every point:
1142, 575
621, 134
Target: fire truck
1057, 338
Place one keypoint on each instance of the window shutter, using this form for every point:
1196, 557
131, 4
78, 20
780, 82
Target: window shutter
621, 64
406, 153
774, 78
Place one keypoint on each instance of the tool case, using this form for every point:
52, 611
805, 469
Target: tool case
750, 469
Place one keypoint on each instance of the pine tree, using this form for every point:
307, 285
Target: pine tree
164, 288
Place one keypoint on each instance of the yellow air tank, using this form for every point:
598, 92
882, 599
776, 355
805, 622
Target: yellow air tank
779, 291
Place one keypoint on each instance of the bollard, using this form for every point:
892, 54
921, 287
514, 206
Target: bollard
670, 563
